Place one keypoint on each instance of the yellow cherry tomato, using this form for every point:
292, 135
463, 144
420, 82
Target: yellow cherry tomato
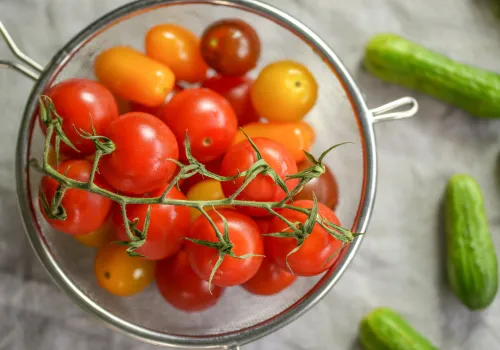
97, 238
205, 190
284, 92
121, 274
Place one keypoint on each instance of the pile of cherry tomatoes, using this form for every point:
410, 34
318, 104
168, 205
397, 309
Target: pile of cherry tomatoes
145, 103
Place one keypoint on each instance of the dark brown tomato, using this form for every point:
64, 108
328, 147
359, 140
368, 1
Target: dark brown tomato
230, 46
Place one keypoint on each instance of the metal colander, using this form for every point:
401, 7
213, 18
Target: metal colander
339, 115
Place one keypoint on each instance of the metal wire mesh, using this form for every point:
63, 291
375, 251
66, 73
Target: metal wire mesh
332, 118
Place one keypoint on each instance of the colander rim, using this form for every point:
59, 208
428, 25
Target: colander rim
235, 338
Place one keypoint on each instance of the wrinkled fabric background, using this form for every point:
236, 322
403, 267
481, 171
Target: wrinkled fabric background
399, 264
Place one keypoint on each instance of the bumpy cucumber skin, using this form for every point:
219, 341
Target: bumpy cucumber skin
471, 260
400, 61
384, 329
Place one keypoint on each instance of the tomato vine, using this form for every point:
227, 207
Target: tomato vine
105, 146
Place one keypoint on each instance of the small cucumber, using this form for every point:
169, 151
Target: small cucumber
384, 329
400, 61
471, 261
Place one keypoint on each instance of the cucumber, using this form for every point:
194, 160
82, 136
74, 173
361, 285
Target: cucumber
400, 61
384, 329
471, 261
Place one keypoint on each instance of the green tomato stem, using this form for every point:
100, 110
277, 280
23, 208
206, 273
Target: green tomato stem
137, 237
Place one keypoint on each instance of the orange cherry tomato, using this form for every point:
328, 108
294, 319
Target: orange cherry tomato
284, 92
121, 274
308, 131
97, 238
208, 189
296, 137
134, 76
177, 48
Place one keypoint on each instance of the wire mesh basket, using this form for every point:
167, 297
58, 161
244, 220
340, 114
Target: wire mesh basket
339, 115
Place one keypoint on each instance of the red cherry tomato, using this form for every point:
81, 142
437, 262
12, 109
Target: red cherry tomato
168, 225
140, 162
76, 100
85, 211
182, 288
246, 239
270, 279
263, 224
207, 117
237, 91
312, 257
242, 156
230, 46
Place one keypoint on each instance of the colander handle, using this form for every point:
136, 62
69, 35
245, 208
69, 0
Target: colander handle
387, 111
34, 69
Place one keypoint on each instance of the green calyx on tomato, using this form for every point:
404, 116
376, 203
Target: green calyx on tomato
49, 116
224, 245
136, 237
314, 171
108, 147
261, 167
300, 231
